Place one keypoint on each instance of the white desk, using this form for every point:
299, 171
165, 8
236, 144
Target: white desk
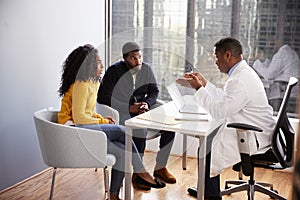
199, 129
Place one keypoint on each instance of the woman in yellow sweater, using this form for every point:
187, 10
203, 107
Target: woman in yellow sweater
79, 85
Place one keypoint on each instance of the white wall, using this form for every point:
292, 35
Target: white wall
35, 38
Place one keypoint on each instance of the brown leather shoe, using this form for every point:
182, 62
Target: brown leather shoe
164, 175
139, 186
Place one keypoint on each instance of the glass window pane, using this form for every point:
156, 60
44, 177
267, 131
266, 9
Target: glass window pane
178, 35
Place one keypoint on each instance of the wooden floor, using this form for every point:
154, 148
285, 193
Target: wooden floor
86, 184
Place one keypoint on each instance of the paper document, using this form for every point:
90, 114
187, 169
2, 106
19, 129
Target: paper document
192, 117
159, 118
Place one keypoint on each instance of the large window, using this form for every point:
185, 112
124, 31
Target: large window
178, 36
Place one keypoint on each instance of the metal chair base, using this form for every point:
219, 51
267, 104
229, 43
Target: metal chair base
251, 187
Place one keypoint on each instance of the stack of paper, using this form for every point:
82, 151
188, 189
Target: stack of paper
160, 118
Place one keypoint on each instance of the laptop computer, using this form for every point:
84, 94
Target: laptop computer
182, 104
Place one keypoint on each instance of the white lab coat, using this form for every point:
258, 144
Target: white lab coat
243, 100
262, 68
285, 63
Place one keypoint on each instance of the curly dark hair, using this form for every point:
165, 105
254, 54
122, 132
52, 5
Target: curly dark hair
81, 65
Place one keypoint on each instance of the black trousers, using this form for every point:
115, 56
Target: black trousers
212, 184
139, 138
165, 145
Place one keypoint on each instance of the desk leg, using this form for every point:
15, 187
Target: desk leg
184, 142
201, 168
128, 160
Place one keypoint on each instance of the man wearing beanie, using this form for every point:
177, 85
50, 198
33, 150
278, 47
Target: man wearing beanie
130, 87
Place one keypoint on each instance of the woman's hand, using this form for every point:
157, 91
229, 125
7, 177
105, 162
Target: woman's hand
110, 119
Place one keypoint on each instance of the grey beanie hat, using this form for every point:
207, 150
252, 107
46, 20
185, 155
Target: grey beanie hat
129, 47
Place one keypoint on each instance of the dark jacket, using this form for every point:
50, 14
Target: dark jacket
116, 89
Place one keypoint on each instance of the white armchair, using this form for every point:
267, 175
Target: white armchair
65, 146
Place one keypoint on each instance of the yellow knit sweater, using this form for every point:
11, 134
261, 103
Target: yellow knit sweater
65, 113
78, 104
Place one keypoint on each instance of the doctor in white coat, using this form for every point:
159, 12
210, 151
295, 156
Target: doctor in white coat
243, 99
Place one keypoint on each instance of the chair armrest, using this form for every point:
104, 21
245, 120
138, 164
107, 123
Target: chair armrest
244, 127
105, 110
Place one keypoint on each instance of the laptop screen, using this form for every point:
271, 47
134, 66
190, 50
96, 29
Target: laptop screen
176, 95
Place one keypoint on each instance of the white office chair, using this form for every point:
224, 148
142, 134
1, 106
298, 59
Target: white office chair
65, 146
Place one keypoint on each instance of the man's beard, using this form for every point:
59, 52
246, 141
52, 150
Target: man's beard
135, 69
